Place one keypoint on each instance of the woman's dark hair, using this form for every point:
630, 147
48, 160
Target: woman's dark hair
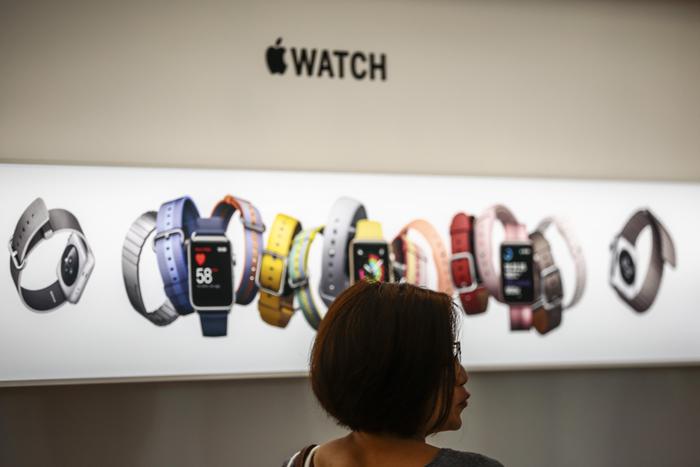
383, 358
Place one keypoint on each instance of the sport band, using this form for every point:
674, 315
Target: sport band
339, 230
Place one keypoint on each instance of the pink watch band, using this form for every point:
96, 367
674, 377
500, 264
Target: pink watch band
520, 315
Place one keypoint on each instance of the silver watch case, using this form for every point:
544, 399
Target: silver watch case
629, 291
86, 263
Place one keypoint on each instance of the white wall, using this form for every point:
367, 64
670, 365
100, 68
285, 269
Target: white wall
572, 88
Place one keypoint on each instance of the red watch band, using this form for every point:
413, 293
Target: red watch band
474, 296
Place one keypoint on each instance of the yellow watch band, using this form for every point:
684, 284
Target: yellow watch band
368, 230
276, 302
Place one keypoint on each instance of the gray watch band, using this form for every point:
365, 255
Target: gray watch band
36, 224
338, 232
662, 250
131, 253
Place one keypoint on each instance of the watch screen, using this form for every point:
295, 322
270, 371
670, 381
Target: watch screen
69, 265
627, 268
371, 262
211, 282
517, 273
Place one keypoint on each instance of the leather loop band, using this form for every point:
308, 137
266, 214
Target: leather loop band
276, 302
547, 312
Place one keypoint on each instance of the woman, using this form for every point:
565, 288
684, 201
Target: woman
385, 364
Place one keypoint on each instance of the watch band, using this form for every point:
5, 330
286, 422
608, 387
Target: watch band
276, 302
547, 311
438, 248
253, 227
520, 315
134, 243
298, 274
36, 224
175, 223
366, 229
410, 263
576, 252
338, 232
214, 322
465, 275
662, 250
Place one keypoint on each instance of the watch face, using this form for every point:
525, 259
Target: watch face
627, 267
517, 273
211, 276
70, 265
370, 262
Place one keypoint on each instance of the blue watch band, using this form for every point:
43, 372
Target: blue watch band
214, 323
175, 223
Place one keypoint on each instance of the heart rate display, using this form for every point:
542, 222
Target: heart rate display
211, 280
517, 273
370, 261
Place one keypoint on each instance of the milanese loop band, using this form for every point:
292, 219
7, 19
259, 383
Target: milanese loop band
440, 257
253, 228
134, 243
662, 250
299, 275
276, 302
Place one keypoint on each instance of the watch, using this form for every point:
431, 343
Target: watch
369, 254
134, 243
195, 259
298, 275
473, 295
547, 312
515, 285
276, 302
339, 230
438, 248
640, 293
253, 227
410, 264
37, 223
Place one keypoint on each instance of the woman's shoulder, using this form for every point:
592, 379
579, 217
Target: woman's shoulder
451, 458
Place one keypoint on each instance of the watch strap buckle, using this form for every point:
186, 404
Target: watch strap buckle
259, 228
474, 284
283, 276
165, 234
14, 254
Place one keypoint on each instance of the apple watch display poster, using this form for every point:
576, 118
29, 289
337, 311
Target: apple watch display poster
101, 336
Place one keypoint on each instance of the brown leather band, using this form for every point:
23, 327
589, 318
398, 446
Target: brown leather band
547, 310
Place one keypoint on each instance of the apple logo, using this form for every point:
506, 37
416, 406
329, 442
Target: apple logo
275, 58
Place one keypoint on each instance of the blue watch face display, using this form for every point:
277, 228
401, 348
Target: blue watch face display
518, 276
211, 278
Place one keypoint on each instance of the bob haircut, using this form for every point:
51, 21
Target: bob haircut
383, 358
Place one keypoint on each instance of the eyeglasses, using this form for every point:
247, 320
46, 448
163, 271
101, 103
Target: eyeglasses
457, 349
